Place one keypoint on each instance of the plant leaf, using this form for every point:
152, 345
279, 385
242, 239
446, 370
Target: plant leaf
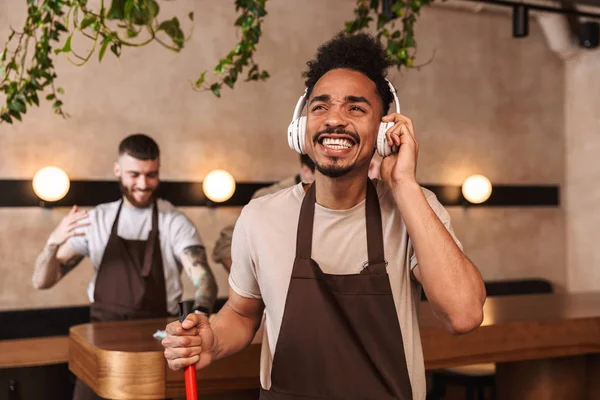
16, 115
67, 47
171, 27
6, 117
60, 27
116, 49
87, 21
116, 10
128, 8
216, 89
17, 106
200, 80
105, 43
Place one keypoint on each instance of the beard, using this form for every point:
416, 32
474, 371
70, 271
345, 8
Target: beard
334, 170
128, 193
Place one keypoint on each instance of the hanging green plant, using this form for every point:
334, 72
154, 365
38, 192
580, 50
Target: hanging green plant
400, 42
230, 68
27, 61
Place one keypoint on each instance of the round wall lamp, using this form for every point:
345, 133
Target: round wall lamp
51, 184
218, 185
477, 189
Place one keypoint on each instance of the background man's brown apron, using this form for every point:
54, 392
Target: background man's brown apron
130, 283
340, 337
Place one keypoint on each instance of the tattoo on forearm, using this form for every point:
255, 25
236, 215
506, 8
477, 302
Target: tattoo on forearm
196, 265
44, 263
69, 265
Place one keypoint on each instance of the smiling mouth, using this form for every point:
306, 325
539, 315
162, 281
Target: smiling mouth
337, 143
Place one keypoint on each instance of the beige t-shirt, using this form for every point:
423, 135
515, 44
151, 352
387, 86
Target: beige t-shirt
222, 249
264, 248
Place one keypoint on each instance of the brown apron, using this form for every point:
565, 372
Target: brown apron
130, 283
340, 337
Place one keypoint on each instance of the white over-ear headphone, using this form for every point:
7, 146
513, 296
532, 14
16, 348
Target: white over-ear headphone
297, 128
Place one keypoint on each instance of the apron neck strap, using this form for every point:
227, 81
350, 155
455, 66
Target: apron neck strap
374, 226
155, 216
151, 243
115, 225
305, 223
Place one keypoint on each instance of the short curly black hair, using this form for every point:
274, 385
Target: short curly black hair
360, 52
139, 146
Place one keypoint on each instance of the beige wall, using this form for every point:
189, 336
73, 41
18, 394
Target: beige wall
582, 192
487, 103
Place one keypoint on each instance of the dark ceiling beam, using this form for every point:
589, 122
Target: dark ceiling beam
538, 7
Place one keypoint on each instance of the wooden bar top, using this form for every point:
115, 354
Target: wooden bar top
34, 352
121, 360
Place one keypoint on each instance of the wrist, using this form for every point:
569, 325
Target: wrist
216, 350
52, 245
406, 192
405, 184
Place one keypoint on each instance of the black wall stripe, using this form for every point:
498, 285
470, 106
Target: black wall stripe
19, 193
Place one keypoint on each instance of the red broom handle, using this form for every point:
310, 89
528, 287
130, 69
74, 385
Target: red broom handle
191, 385
191, 388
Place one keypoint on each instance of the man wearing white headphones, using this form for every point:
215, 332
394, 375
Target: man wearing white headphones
338, 265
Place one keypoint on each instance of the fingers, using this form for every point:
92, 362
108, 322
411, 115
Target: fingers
184, 344
195, 319
74, 229
75, 226
77, 216
180, 363
399, 134
73, 234
175, 329
173, 353
74, 209
395, 117
172, 341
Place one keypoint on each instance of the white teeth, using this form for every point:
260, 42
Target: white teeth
337, 144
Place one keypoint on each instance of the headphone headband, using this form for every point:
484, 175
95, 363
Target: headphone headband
393, 90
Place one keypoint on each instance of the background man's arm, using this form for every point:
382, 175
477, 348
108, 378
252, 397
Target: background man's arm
194, 262
53, 263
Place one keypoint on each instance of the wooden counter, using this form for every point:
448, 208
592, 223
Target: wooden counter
546, 347
34, 352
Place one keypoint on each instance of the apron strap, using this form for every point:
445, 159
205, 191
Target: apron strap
115, 227
374, 230
151, 242
305, 224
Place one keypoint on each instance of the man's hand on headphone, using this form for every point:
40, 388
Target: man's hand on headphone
400, 167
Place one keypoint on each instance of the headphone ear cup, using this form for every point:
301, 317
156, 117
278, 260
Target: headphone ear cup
292, 134
382, 147
301, 135
296, 132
